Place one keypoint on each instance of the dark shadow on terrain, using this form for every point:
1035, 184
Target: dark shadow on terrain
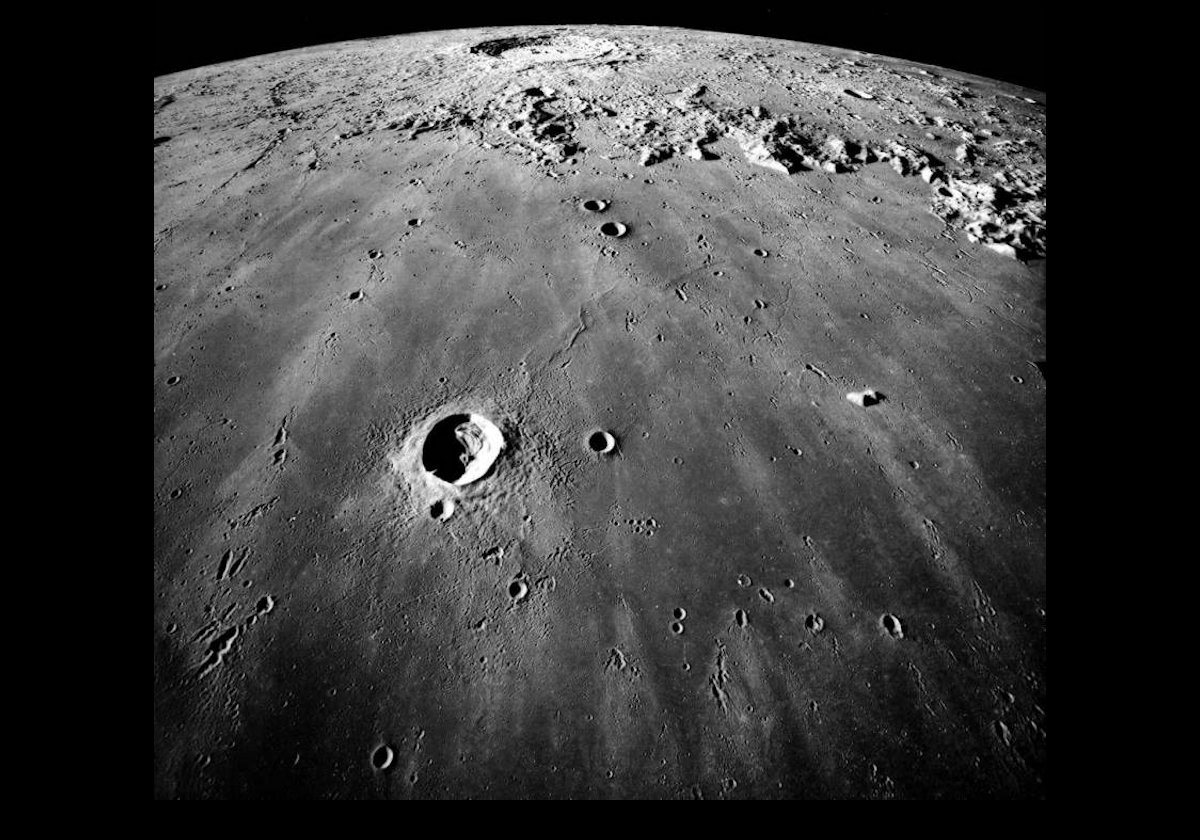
443, 453
499, 46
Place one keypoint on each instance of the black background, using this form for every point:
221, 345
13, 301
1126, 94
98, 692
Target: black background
1005, 42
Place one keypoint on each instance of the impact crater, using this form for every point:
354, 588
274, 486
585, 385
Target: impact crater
461, 448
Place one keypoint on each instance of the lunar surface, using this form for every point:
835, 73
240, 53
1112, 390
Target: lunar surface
597, 412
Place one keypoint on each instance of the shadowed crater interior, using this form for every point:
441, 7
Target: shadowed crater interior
461, 448
443, 454
601, 442
381, 759
499, 46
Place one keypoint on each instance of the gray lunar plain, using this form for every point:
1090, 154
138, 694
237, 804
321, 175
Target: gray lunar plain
598, 412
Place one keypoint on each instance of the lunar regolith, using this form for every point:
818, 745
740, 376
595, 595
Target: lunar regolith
598, 412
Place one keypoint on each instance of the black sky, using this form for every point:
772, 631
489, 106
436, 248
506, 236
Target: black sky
1005, 42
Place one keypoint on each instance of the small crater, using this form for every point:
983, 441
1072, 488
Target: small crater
518, 589
891, 625
601, 442
814, 623
415, 222
743, 580
680, 613
383, 757
677, 628
858, 94
1018, 379
161, 287
595, 205
265, 604
442, 509
356, 294
613, 229
759, 252
766, 595
789, 583
865, 398
174, 380
741, 618
374, 253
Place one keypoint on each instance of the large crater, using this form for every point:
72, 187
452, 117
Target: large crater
461, 448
